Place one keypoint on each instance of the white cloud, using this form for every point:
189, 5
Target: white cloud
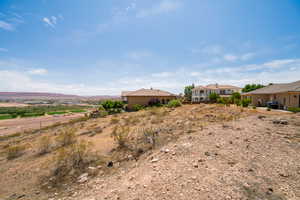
212, 50
6, 26
195, 74
230, 57
38, 71
284, 70
52, 20
138, 55
162, 74
243, 57
164, 6
247, 56
3, 50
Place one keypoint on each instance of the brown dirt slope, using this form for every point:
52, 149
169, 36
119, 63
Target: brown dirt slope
250, 158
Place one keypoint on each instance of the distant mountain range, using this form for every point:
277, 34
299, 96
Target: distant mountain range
55, 96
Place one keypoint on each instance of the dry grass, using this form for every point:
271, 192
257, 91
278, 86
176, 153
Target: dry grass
44, 145
15, 151
71, 161
121, 135
66, 137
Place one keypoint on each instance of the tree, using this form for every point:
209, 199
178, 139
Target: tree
188, 92
213, 97
235, 96
251, 87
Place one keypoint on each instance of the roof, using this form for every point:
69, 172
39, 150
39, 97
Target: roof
277, 88
217, 86
147, 92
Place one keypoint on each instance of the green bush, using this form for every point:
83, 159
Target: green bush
113, 106
109, 104
245, 102
294, 109
56, 113
32, 114
2, 117
225, 101
174, 103
77, 111
213, 97
137, 107
237, 102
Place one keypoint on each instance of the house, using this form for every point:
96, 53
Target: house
285, 94
201, 93
146, 97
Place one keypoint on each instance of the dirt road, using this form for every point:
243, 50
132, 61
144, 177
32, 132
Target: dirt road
11, 126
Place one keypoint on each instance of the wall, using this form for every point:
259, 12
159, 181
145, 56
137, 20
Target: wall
285, 99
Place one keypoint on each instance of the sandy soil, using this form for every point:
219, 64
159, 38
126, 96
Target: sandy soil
13, 105
208, 152
12, 126
250, 159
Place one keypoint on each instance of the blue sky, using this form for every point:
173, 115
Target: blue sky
99, 47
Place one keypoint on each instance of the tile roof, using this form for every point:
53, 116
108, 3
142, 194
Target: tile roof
147, 92
217, 86
277, 88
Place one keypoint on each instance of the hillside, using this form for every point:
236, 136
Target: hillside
46, 96
204, 151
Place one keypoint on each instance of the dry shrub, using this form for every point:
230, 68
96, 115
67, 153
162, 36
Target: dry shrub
114, 120
156, 120
66, 137
15, 151
131, 120
121, 135
71, 161
44, 145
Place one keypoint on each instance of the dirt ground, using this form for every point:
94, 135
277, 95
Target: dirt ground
11, 126
13, 105
207, 152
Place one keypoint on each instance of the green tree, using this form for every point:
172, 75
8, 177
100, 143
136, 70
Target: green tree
251, 87
188, 92
235, 96
213, 97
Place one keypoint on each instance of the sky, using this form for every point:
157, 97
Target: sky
102, 47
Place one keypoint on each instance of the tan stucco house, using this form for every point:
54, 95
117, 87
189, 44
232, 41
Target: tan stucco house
146, 97
201, 93
286, 94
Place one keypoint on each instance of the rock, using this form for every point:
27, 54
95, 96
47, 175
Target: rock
165, 150
280, 121
92, 168
154, 160
269, 191
83, 178
261, 117
207, 153
195, 165
110, 164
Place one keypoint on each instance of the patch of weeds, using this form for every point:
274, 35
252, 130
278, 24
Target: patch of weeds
15, 151
121, 135
44, 145
66, 137
6, 137
114, 120
71, 161
131, 120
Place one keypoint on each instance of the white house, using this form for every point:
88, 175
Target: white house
201, 93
